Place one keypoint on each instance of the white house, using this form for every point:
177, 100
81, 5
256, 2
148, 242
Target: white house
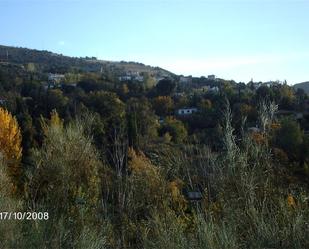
214, 89
55, 77
125, 78
129, 75
186, 111
132, 73
139, 78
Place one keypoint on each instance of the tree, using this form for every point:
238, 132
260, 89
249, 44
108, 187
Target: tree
287, 97
147, 183
205, 104
10, 145
108, 105
28, 132
289, 137
165, 87
66, 170
264, 93
142, 122
151, 192
55, 99
300, 98
175, 128
89, 85
181, 101
163, 105
149, 80
31, 67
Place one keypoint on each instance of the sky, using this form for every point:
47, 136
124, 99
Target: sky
241, 40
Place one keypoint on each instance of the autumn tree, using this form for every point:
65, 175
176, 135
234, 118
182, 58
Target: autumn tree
10, 145
205, 104
163, 105
147, 184
150, 192
181, 101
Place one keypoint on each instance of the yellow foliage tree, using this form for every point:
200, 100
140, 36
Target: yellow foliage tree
150, 186
143, 170
10, 145
163, 105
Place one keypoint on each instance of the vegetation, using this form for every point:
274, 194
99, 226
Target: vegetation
10, 146
115, 166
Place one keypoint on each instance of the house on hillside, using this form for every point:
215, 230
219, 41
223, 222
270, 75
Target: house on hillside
185, 80
129, 75
211, 77
186, 111
55, 78
139, 78
272, 83
124, 78
214, 89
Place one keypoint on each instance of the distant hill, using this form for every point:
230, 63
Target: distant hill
304, 86
48, 61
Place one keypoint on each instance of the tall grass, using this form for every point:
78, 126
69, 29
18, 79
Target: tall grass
249, 207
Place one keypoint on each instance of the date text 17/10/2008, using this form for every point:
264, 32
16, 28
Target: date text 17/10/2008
24, 216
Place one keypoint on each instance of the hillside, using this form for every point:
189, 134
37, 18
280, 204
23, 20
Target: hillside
303, 85
181, 162
52, 62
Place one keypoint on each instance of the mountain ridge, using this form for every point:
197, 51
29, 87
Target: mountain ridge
22, 55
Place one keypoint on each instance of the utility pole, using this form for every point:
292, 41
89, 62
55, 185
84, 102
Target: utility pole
7, 55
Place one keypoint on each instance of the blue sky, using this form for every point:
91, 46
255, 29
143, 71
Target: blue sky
233, 39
